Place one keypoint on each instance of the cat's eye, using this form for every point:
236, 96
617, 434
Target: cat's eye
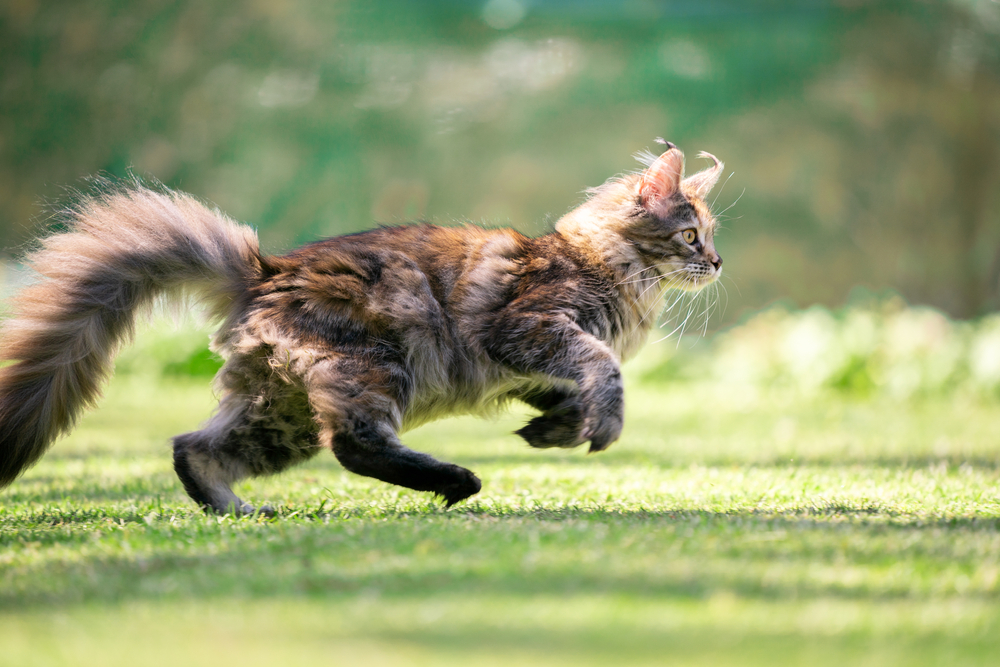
689, 235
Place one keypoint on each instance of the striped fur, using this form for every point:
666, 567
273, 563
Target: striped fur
125, 249
345, 343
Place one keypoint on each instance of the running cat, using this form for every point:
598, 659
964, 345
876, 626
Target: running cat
347, 342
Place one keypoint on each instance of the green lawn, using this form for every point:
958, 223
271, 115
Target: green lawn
726, 527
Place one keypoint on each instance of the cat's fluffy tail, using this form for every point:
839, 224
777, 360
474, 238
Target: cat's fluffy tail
121, 251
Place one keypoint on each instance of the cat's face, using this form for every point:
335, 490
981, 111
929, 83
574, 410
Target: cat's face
672, 227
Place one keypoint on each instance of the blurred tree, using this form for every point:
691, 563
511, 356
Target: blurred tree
923, 121
864, 136
885, 171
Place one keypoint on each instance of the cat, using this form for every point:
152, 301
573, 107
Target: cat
346, 342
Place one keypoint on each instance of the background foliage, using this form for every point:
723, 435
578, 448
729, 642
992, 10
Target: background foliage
817, 483
863, 137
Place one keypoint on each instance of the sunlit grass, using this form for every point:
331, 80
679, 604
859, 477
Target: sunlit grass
727, 527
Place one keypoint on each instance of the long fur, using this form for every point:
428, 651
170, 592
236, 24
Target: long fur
123, 249
347, 342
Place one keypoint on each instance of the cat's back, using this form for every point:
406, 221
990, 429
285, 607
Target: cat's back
392, 278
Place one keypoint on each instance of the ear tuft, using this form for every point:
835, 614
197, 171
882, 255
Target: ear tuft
702, 183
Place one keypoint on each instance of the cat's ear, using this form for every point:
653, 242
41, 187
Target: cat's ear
702, 183
662, 178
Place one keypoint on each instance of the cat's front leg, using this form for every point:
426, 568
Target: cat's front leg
554, 345
604, 414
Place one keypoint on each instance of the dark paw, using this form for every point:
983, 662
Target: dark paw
264, 510
543, 432
464, 485
559, 427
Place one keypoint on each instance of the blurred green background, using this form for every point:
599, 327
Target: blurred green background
862, 137
818, 483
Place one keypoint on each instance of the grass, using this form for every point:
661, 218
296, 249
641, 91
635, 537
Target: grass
725, 528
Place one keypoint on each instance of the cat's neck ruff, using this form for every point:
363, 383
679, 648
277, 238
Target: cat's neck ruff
600, 241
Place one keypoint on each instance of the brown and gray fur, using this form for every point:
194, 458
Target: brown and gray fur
345, 343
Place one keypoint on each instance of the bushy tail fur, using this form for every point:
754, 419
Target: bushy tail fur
122, 250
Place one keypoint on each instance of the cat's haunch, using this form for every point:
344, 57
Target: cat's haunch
347, 342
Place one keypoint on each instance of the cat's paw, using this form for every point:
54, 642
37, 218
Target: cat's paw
601, 431
559, 427
543, 432
465, 484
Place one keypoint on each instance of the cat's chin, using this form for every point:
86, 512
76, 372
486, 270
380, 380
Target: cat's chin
693, 283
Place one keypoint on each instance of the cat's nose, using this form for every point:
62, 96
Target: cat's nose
716, 261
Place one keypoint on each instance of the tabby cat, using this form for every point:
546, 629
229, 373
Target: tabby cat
345, 343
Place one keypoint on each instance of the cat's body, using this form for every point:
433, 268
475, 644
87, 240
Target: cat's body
345, 343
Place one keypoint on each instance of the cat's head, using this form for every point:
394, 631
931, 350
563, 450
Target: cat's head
660, 215
672, 227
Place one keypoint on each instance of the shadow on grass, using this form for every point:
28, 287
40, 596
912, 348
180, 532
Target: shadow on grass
332, 553
669, 460
42, 491
520, 454
873, 513
613, 644
116, 454
258, 573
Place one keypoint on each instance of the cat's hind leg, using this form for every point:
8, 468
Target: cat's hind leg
368, 445
561, 421
207, 478
245, 438
359, 407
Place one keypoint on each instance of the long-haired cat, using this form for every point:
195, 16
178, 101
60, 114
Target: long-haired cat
345, 343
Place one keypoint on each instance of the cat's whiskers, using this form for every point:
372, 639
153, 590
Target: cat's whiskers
636, 302
652, 306
667, 283
719, 193
681, 293
627, 279
704, 315
671, 318
723, 296
685, 283
687, 318
733, 281
710, 305
645, 279
666, 286
733, 204
653, 302
659, 279
693, 318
